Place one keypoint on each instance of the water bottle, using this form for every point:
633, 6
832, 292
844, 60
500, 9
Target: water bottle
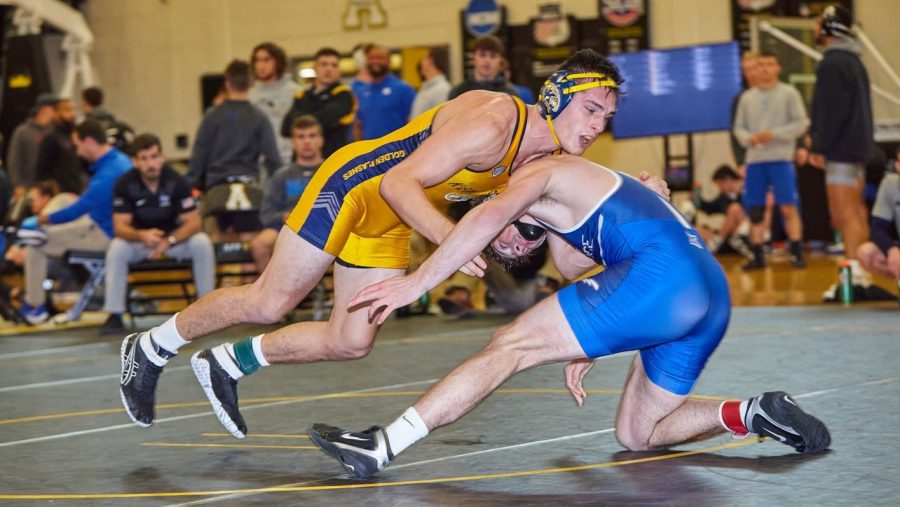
845, 277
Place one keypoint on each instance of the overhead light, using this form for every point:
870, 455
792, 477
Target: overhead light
307, 73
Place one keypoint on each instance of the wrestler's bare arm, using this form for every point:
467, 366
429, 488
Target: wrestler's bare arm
473, 132
570, 263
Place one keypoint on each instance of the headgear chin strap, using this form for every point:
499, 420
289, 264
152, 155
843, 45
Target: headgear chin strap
557, 91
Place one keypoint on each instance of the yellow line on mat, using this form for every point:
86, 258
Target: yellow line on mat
239, 446
367, 485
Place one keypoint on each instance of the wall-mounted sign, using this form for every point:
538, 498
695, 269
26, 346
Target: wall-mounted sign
482, 17
369, 10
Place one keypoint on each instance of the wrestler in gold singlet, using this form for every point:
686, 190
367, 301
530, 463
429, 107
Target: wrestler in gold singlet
342, 212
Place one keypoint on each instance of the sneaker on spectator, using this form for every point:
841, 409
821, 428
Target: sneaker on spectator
113, 325
34, 314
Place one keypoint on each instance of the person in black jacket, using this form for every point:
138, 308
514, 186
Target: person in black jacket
329, 101
56, 158
486, 75
842, 129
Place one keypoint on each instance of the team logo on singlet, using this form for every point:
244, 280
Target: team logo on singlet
498, 171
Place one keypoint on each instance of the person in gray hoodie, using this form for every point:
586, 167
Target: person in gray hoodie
273, 89
842, 129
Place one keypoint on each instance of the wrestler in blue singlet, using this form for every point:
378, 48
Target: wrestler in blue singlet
662, 292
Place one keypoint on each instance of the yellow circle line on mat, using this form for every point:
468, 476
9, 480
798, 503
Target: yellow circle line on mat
251, 401
238, 446
368, 485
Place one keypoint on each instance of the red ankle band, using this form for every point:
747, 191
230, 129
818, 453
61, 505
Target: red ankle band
730, 413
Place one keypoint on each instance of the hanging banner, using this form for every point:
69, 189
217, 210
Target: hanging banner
554, 37
623, 26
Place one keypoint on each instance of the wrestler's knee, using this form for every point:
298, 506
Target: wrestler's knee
512, 343
266, 306
348, 349
630, 436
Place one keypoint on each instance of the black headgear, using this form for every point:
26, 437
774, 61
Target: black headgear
837, 20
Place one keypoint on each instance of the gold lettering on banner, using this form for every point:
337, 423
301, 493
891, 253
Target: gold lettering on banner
374, 14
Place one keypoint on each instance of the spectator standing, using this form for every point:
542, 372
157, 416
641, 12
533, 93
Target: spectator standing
57, 159
385, 102
64, 230
331, 103
770, 118
23, 145
119, 133
287, 185
842, 130
881, 255
154, 215
273, 89
487, 53
435, 86
232, 140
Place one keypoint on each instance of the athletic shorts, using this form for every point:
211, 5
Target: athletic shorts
673, 306
780, 176
847, 174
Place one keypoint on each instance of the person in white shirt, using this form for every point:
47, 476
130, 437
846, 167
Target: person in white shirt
435, 86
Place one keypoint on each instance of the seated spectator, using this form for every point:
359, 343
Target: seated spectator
64, 230
154, 215
231, 140
56, 157
881, 255
330, 102
287, 185
487, 54
43, 197
725, 220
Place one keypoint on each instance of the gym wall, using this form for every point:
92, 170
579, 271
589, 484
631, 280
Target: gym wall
150, 54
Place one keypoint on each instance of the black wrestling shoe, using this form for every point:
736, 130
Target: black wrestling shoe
754, 264
221, 390
778, 416
363, 453
140, 374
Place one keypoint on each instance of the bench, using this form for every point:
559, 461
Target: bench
179, 274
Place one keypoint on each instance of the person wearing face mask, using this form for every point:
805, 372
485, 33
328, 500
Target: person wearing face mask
386, 101
56, 159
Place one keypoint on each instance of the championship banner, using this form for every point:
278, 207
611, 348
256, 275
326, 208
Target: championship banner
554, 38
623, 26
480, 18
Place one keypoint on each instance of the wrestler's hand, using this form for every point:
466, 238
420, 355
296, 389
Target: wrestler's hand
655, 184
386, 296
474, 267
575, 372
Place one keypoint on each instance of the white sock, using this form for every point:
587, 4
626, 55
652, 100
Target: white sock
257, 350
167, 336
406, 430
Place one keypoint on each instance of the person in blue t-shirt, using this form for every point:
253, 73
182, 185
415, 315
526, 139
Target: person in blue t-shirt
385, 102
86, 224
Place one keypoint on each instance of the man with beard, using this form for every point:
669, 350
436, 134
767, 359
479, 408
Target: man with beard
57, 160
331, 103
273, 90
384, 103
154, 215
